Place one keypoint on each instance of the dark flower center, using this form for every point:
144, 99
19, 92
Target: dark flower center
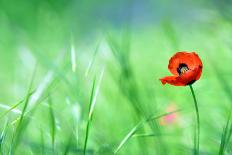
182, 68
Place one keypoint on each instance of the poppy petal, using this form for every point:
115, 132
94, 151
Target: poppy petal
190, 76
173, 80
186, 67
192, 60
187, 78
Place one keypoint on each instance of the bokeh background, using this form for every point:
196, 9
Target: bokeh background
68, 64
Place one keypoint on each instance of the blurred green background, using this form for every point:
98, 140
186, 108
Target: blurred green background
86, 72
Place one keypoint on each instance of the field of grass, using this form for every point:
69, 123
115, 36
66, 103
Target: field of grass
82, 77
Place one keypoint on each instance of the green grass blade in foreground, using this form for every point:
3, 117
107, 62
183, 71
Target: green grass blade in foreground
223, 140
93, 99
17, 135
90, 65
146, 135
2, 138
68, 145
42, 92
73, 58
127, 137
11, 109
53, 123
136, 127
197, 132
42, 142
226, 135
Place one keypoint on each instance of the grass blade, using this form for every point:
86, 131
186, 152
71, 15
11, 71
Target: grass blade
10, 109
92, 61
136, 127
93, 99
42, 142
20, 126
68, 145
2, 137
226, 135
146, 135
53, 123
73, 58
127, 137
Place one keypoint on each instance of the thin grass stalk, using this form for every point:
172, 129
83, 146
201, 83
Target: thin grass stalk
89, 118
226, 135
91, 63
53, 123
146, 135
2, 138
42, 147
92, 103
11, 109
138, 126
68, 145
18, 131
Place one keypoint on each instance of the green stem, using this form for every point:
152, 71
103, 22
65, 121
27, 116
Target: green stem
198, 122
86, 137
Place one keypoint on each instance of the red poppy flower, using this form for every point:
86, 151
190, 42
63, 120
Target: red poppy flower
186, 68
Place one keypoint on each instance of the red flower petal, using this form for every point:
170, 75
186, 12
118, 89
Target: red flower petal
192, 60
173, 80
191, 73
183, 80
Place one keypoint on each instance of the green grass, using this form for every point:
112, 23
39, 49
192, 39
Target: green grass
96, 88
133, 131
93, 99
226, 135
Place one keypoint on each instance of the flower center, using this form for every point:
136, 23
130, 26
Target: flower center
182, 68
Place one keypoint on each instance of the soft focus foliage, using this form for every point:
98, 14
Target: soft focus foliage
66, 64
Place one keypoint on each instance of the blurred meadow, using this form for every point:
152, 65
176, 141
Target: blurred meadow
82, 77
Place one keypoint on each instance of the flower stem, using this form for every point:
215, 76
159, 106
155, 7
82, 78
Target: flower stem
197, 136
